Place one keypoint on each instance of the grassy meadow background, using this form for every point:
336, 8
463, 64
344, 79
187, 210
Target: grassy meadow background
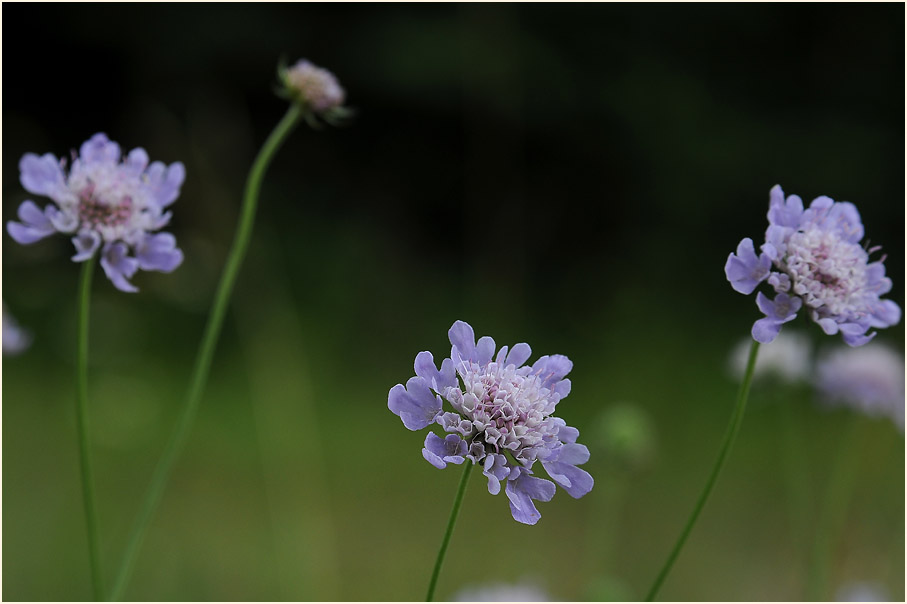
571, 176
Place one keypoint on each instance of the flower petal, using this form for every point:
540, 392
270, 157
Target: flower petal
437, 380
784, 213
41, 175
136, 161
484, 350
159, 253
552, 369
99, 149
34, 227
885, 314
165, 182
495, 468
439, 452
463, 338
119, 267
766, 330
522, 491
744, 270
577, 482
86, 244
519, 354
414, 404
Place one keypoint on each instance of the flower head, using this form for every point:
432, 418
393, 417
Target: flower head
105, 202
502, 418
813, 260
316, 90
788, 356
524, 591
15, 338
869, 379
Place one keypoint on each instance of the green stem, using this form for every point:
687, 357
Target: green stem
794, 460
208, 344
729, 437
461, 490
91, 517
834, 509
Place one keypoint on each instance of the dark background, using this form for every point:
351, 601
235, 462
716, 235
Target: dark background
573, 176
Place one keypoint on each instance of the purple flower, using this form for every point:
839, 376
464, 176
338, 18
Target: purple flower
818, 265
502, 418
870, 380
106, 202
317, 89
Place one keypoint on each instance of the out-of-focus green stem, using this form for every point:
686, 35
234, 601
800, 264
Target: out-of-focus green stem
833, 512
208, 343
461, 490
729, 438
91, 517
797, 476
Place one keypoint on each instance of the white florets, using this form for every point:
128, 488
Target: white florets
505, 408
828, 272
107, 199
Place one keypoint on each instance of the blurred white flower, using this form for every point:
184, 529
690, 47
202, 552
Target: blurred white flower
869, 379
788, 357
861, 591
15, 338
501, 592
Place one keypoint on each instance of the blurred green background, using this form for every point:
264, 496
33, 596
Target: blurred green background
572, 176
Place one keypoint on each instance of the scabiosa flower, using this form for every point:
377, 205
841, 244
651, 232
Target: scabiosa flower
812, 258
788, 356
502, 418
870, 380
15, 338
316, 90
106, 202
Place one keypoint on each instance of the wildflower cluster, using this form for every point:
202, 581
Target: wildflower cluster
818, 263
502, 418
106, 202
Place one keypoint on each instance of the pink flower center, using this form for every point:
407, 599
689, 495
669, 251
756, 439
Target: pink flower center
94, 211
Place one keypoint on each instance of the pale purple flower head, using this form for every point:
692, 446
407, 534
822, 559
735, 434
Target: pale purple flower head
106, 202
15, 339
316, 88
868, 379
501, 418
813, 260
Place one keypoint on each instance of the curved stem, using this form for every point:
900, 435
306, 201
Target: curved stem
461, 490
729, 437
208, 344
91, 518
